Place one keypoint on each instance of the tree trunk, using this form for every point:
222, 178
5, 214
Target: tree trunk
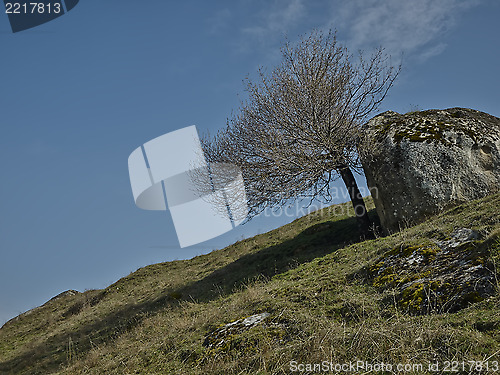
364, 223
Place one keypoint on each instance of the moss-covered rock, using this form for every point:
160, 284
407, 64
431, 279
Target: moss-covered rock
443, 277
225, 336
420, 163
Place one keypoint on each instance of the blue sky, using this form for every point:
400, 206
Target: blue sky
80, 93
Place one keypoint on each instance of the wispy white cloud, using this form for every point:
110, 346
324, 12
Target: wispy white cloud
413, 27
276, 19
431, 51
219, 21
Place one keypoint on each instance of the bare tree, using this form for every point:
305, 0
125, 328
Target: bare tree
300, 127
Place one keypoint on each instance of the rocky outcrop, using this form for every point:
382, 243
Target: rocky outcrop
219, 337
420, 163
70, 292
443, 276
242, 336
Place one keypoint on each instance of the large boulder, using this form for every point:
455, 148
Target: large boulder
420, 163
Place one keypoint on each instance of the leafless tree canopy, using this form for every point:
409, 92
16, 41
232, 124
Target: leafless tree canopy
299, 128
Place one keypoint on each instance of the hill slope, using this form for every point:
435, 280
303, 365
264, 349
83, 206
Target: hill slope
329, 298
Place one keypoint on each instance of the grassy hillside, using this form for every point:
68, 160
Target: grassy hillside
328, 295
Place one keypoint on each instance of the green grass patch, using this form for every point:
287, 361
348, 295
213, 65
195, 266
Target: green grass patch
313, 276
